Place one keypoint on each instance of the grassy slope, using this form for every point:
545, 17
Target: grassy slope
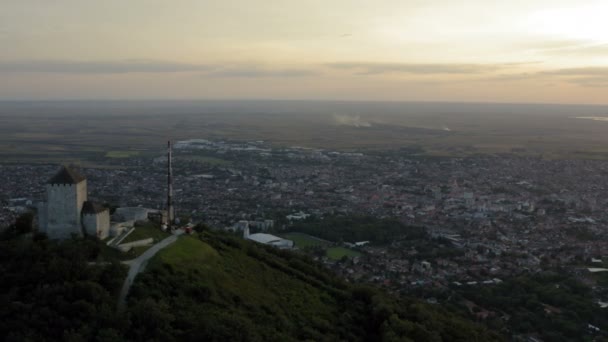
248, 287
188, 253
221, 288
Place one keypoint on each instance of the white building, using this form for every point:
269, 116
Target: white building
67, 212
136, 214
268, 239
297, 216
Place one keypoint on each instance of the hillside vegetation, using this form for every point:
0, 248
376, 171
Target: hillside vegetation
49, 292
358, 228
219, 288
210, 287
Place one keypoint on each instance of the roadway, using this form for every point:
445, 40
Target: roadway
138, 265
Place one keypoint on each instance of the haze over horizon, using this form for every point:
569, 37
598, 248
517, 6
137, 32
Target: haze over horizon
472, 51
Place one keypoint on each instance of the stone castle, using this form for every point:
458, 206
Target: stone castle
67, 212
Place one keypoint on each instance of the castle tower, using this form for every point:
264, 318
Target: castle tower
66, 193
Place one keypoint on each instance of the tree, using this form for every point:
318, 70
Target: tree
23, 223
201, 227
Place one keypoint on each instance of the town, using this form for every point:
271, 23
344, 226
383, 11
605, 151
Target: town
487, 218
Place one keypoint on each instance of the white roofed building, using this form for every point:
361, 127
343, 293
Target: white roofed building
268, 239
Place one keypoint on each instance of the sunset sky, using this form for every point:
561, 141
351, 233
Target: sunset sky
553, 51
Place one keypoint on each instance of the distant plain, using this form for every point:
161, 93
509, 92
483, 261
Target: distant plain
94, 132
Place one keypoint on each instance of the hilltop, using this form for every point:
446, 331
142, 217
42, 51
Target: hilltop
210, 286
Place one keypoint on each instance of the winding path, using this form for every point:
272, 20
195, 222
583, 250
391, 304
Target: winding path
138, 264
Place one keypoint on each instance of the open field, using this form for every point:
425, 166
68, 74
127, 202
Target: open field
303, 240
98, 132
121, 154
337, 253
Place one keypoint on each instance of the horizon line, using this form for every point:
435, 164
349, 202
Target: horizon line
302, 100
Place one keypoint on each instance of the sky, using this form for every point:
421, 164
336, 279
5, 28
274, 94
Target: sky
398, 50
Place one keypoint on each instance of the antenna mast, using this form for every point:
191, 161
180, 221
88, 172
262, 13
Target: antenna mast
170, 210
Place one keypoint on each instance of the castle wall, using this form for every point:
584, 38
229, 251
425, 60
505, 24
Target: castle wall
103, 224
89, 222
97, 225
81, 197
42, 216
64, 205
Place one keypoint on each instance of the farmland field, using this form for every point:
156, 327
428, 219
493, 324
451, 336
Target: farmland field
102, 131
121, 154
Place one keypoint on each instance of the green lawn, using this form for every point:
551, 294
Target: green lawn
304, 241
148, 230
336, 253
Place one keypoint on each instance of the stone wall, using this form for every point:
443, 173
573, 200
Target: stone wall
41, 210
89, 222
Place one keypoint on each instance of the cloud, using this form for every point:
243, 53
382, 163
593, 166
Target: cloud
593, 82
99, 67
591, 71
579, 50
512, 77
587, 50
148, 66
549, 44
258, 72
372, 68
568, 47
595, 77
591, 76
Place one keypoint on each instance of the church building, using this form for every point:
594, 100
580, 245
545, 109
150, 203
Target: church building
67, 211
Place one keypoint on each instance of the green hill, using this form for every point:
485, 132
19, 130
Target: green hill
210, 287
216, 287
